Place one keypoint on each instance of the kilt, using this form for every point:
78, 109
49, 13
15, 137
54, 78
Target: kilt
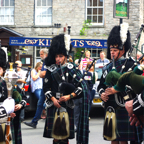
16, 129
16, 132
50, 119
125, 132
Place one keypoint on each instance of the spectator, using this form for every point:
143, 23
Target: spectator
21, 73
33, 123
36, 81
86, 59
20, 82
102, 58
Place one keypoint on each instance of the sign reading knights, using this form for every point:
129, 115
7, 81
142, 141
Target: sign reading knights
121, 9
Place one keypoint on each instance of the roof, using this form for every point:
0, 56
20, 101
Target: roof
8, 30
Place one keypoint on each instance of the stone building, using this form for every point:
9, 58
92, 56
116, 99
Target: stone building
47, 18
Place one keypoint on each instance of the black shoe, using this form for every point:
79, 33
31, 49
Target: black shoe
33, 125
75, 130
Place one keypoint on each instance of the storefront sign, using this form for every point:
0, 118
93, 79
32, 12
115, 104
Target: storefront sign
121, 8
45, 42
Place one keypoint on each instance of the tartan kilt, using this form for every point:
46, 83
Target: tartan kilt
50, 118
125, 132
16, 131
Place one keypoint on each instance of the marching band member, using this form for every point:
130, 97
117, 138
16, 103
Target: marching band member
62, 84
116, 126
7, 104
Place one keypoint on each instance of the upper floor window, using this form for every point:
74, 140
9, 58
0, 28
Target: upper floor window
6, 12
43, 12
95, 11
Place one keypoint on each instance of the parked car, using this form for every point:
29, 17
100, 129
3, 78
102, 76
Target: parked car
96, 100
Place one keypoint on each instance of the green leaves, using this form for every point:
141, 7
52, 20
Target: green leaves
86, 25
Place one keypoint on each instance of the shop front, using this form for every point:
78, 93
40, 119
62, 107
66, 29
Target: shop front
94, 45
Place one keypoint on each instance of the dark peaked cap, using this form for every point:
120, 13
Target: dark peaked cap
115, 39
57, 47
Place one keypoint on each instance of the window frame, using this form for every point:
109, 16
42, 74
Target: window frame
94, 23
8, 23
42, 24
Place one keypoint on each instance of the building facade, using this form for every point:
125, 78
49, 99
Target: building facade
47, 18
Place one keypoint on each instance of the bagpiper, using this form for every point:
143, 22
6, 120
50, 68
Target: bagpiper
63, 83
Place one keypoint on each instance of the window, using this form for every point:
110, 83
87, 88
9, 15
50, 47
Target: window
26, 60
95, 53
95, 11
6, 12
43, 12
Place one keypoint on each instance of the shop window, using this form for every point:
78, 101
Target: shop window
95, 53
95, 11
6, 12
26, 60
43, 12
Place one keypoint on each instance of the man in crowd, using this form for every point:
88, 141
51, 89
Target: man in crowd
102, 58
34, 122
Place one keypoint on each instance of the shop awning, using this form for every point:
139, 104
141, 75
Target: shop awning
45, 42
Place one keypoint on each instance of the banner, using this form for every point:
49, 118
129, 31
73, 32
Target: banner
45, 42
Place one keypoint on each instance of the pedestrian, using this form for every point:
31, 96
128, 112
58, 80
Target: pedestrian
119, 129
40, 104
102, 58
59, 93
86, 59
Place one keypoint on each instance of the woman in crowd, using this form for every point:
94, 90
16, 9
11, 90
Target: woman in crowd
36, 81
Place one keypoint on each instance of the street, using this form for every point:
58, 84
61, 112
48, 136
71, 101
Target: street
35, 136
